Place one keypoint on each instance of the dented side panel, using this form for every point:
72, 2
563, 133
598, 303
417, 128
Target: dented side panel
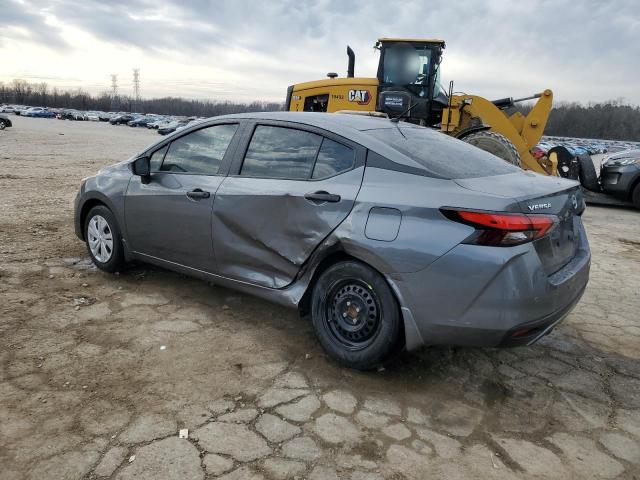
265, 229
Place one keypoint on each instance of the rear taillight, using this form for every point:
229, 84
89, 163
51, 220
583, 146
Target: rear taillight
503, 229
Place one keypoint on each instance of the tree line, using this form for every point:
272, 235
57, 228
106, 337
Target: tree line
611, 120
21, 92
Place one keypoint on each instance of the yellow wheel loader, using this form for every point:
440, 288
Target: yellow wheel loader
407, 86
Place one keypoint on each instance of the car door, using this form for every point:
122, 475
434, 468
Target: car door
169, 218
289, 190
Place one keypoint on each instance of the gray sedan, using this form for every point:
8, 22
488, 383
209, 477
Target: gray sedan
389, 235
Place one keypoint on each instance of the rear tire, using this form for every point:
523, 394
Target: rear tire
355, 315
588, 175
496, 144
103, 239
635, 196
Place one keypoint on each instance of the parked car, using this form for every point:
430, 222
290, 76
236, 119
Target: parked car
620, 175
157, 123
170, 127
93, 116
388, 234
38, 112
122, 119
7, 109
140, 121
4, 122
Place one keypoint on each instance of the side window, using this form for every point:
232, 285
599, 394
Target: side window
333, 158
278, 152
156, 158
199, 152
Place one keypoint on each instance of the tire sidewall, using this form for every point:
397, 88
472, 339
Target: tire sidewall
635, 196
388, 335
116, 261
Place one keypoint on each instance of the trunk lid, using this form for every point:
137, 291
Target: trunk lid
538, 194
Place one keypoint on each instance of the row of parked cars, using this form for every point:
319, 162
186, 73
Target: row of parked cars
164, 124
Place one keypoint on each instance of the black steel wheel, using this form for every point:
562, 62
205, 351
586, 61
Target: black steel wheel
355, 315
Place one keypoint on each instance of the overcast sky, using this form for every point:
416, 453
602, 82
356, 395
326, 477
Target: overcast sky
246, 50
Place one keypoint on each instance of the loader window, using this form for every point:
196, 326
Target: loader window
406, 65
316, 103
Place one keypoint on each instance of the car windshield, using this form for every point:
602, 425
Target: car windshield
442, 155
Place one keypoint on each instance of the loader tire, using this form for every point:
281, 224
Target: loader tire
496, 144
588, 175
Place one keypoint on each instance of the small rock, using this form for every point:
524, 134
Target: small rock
85, 284
307, 356
132, 458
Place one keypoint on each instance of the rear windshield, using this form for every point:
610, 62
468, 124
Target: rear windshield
442, 155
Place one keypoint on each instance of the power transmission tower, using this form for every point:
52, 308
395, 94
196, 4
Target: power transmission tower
114, 91
136, 87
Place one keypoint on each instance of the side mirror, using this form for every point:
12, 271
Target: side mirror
142, 168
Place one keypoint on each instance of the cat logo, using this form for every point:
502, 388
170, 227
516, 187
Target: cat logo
361, 97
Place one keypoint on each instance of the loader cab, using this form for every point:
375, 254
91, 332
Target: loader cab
409, 76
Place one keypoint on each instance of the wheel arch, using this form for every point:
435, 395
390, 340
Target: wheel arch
472, 129
87, 204
339, 254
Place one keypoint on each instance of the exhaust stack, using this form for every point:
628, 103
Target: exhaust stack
352, 62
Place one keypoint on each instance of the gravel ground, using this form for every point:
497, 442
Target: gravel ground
99, 372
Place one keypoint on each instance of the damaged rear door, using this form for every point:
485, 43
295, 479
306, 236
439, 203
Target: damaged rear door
293, 186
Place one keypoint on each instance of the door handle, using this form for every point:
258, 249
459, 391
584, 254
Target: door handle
322, 196
198, 193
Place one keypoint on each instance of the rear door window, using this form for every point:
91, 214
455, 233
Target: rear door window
279, 152
200, 152
333, 158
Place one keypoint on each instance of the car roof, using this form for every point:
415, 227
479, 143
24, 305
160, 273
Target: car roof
329, 121
350, 126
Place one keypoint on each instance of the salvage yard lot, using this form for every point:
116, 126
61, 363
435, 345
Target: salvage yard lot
97, 369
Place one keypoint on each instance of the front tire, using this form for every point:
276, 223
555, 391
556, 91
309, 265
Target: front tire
635, 196
103, 239
355, 315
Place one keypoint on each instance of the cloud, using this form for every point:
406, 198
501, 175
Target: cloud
21, 20
585, 50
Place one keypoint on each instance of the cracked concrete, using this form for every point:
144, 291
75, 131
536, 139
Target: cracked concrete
89, 393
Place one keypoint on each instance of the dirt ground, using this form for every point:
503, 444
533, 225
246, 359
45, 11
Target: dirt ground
99, 372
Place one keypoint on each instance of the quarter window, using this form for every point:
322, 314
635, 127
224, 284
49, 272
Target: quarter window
200, 152
333, 158
156, 158
277, 152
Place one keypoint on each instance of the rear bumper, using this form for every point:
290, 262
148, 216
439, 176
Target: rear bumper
484, 296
